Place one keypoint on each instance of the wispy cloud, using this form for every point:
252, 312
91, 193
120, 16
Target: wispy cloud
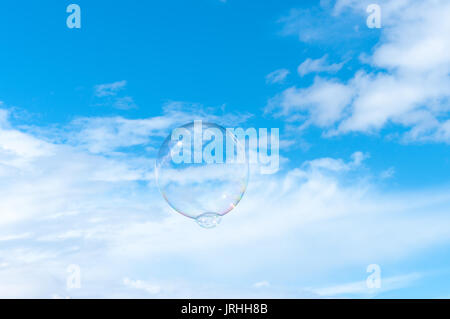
142, 285
323, 103
318, 66
261, 284
110, 95
407, 83
109, 89
108, 134
67, 204
316, 25
277, 76
360, 288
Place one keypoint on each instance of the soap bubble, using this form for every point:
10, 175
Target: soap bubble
202, 172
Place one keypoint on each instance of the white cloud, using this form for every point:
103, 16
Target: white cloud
408, 85
109, 89
15, 237
343, 4
318, 66
113, 134
261, 284
142, 285
277, 76
337, 165
301, 22
317, 25
109, 94
388, 173
360, 288
324, 102
100, 135
104, 213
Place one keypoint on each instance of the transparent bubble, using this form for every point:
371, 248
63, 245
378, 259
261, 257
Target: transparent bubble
202, 172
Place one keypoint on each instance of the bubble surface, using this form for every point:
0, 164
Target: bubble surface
202, 172
209, 220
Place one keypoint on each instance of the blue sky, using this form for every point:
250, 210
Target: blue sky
364, 129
